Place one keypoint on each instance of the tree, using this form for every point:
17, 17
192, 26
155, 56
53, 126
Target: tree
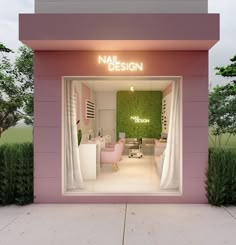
3, 48
25, 69
222, 105
10, 93
16, 88
222, 112
229, 70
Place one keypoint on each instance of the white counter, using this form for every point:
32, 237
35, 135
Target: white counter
90, 158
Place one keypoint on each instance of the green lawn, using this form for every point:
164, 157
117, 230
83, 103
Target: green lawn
17, 135
231, 143
25, 134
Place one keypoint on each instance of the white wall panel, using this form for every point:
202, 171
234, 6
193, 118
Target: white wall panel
106, 100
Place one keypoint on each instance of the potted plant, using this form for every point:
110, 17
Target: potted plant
79, 133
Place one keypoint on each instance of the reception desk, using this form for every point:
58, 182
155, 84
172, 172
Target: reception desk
90, 158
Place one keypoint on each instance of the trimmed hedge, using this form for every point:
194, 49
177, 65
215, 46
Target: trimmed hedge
16, 173
221, 177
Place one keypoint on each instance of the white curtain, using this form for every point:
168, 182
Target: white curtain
74, 177
170, 174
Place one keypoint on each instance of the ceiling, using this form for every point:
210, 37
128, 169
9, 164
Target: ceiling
113, 85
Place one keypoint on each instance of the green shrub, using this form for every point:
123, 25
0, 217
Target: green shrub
79, 136
221, 177
16, 173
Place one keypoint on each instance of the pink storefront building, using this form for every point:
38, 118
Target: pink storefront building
131, 78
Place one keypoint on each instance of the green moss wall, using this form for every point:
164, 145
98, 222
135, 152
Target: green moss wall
145, 105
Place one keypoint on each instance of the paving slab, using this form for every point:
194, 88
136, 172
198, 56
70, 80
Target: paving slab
9, 213
167, 224
232, 211
67, 224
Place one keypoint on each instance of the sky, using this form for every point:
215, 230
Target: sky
219, 55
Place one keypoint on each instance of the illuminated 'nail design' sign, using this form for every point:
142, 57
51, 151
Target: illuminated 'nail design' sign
113, 64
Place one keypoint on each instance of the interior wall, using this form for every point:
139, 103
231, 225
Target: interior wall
146, 105
83, 93
104, 101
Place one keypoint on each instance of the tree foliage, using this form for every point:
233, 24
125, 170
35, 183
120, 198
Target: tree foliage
222, 105
24, 66
3, 48
16, 86
229, 70
10, 94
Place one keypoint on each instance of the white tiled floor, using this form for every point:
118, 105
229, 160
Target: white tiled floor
134, 176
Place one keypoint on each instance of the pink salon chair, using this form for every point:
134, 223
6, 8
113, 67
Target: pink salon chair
112, 145
112, 155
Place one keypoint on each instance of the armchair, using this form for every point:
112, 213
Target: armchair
112, 155
112, 145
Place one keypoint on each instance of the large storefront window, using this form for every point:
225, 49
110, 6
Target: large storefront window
131, 135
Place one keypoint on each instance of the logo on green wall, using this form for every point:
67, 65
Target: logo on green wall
139, 120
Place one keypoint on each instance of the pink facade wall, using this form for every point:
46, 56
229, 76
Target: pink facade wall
49, 69
119, 31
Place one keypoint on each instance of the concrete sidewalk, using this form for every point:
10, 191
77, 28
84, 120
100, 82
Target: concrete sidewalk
117, 224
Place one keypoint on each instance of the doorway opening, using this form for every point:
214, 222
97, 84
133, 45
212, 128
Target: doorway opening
131, 140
